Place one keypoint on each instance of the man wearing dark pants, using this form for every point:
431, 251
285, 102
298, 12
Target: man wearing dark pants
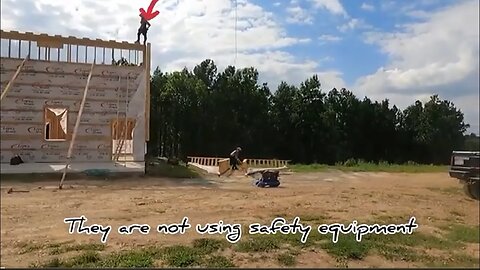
234, 160
144, 26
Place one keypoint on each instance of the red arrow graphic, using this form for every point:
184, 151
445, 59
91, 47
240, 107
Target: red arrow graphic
149, 14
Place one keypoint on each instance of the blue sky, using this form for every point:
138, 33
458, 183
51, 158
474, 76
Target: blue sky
350, 53
397, 49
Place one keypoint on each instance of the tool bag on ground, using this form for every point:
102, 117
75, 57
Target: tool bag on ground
16, 160
268, 179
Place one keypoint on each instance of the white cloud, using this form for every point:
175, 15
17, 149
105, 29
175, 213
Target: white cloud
328, 38
333, 6
353, 24
299, 15
367, 7
437, 55
184, 33
387, 5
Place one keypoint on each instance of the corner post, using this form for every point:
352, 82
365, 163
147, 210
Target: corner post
147, 63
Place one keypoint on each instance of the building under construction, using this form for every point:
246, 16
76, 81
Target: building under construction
66, 100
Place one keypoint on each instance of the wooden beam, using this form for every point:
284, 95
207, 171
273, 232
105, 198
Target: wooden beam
77, 124
147, 62
10, 83
55, 41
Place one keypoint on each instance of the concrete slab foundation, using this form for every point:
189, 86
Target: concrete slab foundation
47, 168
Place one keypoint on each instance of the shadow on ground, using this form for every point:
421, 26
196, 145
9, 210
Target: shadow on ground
158, 175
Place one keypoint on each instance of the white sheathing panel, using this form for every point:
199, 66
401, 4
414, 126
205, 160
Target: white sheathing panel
49, 84
29, 144
56, 155
21, 117
34, 104
67, 81
37, 129
37, 117
11, 65
101, 94
136, 110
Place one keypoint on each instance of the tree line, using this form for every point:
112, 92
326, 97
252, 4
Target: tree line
206, 112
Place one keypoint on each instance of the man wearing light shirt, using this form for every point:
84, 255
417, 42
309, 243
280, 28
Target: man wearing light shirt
234, 160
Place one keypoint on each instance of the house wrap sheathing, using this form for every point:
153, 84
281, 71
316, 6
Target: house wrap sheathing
45, 78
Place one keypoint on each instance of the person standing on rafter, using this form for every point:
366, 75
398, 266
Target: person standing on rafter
144, 26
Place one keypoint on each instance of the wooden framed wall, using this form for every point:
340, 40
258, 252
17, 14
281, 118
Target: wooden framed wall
55, 75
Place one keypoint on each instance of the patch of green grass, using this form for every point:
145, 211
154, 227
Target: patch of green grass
462, 233
91, 259
219, 262
402, 253
260, 243
181, 256
29, 247
208, 245
162, 169
53, 263
86, 259
360, 166
59, 248
347, 248
286, 259
415, 239
131, 258
201, 253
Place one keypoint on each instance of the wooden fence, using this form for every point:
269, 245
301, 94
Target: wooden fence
270, 163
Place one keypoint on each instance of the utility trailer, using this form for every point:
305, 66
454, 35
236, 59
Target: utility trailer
465, 166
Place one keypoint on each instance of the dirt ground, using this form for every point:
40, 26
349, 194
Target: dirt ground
37, 216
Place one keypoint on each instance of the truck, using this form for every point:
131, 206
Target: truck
465, 166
